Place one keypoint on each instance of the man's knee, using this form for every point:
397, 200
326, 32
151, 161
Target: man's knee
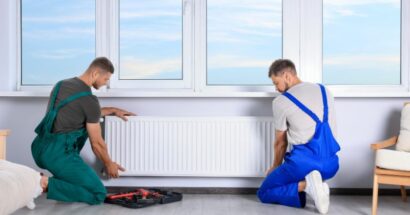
99, 197
99, 193
262, 196
97, 189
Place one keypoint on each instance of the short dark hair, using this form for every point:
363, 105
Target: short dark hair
102, 63
279, 65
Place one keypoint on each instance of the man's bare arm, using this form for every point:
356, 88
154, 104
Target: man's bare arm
280, 145
100, 149
105, 111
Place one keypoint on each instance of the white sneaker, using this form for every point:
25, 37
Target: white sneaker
327, 189
318, 190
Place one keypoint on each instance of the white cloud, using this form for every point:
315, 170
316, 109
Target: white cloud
268, 5
60, 19
362, 60
164, 9
233, 61
346, 12
225, 37
134, 68
152, 34
132, 4
62, 53
241, 22
59, 33
151, 13
333, 9
343, 3
233, 21
247, 37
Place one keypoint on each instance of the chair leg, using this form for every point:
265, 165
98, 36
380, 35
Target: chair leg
375, 194
403, 193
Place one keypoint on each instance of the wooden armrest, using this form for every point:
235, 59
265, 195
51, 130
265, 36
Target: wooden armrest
4, 132
384, 144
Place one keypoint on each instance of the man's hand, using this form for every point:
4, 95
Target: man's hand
105, 111
122, 114
112, 169
100, 150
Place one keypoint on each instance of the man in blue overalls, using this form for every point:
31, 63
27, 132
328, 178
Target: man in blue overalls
304, 117
72, 117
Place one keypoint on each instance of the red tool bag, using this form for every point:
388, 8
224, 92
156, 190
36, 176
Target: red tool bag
140, 198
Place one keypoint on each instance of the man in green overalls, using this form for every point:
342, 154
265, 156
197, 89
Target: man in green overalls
72, 117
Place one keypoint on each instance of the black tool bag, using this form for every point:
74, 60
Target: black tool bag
140, 198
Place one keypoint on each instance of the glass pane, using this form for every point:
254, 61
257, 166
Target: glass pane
361, 46
58, 39
244, 38
150, 39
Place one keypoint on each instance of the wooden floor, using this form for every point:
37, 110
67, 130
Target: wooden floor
204, 204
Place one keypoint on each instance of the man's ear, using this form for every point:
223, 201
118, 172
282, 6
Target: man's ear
287, 76
95, 73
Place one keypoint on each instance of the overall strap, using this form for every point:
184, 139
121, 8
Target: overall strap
302, 106
54, 95
325, 105
52, 114
72, 98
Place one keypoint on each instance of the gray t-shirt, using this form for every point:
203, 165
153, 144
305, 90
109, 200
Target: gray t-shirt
77, 113
299, 126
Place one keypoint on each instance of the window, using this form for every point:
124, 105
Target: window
150, 40
362, 42
214, 46
243, 39
57, 39
155, 44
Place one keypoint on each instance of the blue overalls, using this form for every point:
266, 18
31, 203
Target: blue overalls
281, 185
73, 180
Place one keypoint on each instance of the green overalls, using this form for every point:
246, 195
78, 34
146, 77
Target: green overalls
73, 180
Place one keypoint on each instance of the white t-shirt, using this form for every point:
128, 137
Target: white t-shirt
288, 117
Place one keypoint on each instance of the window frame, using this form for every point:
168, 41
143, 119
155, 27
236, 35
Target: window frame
289, 46
17, 44
186, 58
302, 29
403, 89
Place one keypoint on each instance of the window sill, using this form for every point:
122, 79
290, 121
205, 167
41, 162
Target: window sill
149, 94
338, 93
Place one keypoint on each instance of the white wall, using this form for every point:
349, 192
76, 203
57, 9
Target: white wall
361, 121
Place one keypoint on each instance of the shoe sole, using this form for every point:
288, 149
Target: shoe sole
322, 201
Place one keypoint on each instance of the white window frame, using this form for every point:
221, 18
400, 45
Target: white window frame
194, 50
107, 44
290, 48
16, 6
187, 52
312, 54
17, 44
302, 27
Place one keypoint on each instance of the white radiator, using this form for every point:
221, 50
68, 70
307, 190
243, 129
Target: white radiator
191, 146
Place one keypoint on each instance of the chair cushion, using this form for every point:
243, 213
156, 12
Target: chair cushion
403, 142
19, 185
392, 159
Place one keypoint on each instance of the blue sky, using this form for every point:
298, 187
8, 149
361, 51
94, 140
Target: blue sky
151, 39
58, 39
361, 42
244, 37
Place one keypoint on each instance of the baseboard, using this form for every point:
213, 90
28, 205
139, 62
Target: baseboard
226, 190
